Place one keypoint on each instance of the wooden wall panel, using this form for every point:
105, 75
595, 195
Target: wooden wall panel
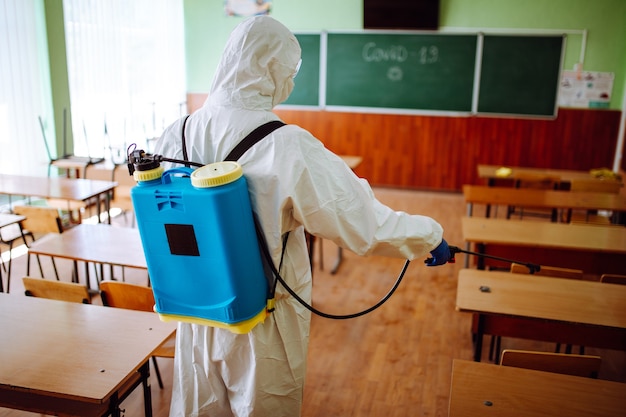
441, 153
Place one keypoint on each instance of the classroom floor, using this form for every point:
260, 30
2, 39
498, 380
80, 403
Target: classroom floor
395, 361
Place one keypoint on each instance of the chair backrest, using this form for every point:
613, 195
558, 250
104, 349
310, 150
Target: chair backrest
40, 219
135, 297
569, 364
540, 181
613, 279
56, 290
596, 185
126, 295
549, 271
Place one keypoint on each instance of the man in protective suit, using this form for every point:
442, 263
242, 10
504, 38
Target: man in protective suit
295, 184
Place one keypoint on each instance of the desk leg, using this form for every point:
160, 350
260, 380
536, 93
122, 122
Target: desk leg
98, 202
147, 393
338, 262
114, 407
478, 342
480, 262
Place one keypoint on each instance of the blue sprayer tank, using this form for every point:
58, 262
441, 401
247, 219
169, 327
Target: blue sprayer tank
200, 244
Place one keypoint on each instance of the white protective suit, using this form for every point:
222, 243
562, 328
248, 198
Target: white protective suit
295, 184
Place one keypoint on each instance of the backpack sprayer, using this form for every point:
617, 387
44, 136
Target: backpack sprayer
194, 225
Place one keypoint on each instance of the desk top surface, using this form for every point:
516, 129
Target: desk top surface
54, 187
509, 172
482, 389
97, 243
352, 161
583, 237
561, 299
78, 351
8, 219
543, 198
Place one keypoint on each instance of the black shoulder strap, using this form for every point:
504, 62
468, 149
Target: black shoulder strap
185, 156
252, 138
246, 143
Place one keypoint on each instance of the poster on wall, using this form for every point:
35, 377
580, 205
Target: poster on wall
585, 89
245, 8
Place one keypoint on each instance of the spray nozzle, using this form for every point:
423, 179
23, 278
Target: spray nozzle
138, 160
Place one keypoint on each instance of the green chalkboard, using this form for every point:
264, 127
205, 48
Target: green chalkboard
401, 70
307, 82
520, 74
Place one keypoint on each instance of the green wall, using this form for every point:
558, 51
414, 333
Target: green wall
207, 28
58, 74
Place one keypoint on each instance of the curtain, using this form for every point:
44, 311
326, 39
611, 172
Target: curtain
126, 68
24, 88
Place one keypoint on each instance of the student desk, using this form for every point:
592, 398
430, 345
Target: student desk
74, 359
592, 248
7, 220
352, 161
95, 243
550, 199
71, 189
540, 308
480, 389
494, 172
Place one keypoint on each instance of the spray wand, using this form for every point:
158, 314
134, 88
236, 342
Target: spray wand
533, 268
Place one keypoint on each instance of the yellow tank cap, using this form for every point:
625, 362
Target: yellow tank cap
149, 175
216, 174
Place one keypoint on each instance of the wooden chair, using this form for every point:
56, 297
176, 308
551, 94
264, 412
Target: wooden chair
613, 279
56, 290
576, 365
120, 197
535, 181
10, 234
594, 186
549, 271
40, 220
136, 297
546, 271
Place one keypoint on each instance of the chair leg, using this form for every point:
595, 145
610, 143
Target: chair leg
156, 371
492, 345
54, 265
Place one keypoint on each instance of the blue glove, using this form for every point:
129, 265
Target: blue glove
441, 255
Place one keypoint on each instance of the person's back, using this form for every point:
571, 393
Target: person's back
294, 184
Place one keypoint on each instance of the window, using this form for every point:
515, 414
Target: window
24, 88
126, 69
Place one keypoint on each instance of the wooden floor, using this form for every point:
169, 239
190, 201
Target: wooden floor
393, 362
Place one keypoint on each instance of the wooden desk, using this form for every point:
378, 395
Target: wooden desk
75, 359
548, 242
7, 220
480, 389
352, 161
74, 164
94, 243
550, 309
58, 188
576, 200
495, 172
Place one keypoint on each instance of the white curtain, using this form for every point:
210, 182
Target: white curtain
126, 67
24, 88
